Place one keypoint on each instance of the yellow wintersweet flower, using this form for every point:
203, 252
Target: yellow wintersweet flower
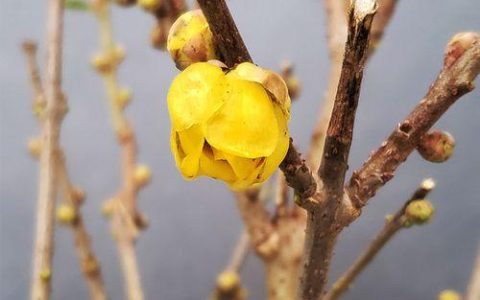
190, 40
232, 126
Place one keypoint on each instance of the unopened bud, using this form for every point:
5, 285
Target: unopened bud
35, 147
108, 208
449, 295
103, 63
419, 211
190, 40
141, 221
119, 54
228, 281
459, 43
124, 96
142, 175
158, 36
45, 274
66, 214
436, 146
77, 194
150, 5
90, 265
293, 83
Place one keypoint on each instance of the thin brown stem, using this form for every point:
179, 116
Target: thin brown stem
126, 220
72, 196
473, 290
385, 11
391, 227
455, 80
325, 221
47, 192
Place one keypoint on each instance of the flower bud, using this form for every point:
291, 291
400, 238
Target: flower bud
45, 274
419, 212
66, 213
436, 146
293, 83
77, 194
124, 95
228, 281
119, 54
190, 40
108, 208
141, 221
142, 175
103, 63
34, 146
449, 295
459, 43
150, 5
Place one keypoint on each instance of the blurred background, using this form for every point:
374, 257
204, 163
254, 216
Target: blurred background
194, 225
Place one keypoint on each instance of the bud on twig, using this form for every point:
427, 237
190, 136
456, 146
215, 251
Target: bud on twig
142, 175
459, 43
436, 146
150, 5
293, 83
419, 212
449, 295
34, 146
66, 214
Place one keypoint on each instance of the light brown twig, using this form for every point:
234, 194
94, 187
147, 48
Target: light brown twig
47, 192
126, 221
473, 290
391, 227
72, 196
239, 253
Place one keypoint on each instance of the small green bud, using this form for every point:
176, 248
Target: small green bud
419, 211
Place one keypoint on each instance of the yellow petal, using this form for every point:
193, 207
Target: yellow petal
191, 99
218, 169
273, 161
245, 125
243, 167
270, 80
187, 147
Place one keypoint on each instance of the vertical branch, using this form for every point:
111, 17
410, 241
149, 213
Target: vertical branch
126, 220
325, 221
73, 198
43, 247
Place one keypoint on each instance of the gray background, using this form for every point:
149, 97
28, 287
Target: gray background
194, 225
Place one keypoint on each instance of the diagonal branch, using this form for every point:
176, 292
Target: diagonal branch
462, 65
324, 221
391, 227
73, 197
473, 290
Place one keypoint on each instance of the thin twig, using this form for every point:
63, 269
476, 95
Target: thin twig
455, 79
391, 227
473, 290
385, 11
324, 221
47, 192
232, 50
87, 259
125, 216
239, 253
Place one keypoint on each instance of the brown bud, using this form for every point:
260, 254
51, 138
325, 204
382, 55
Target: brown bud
457, 45
141, 221
158, 35
436, 146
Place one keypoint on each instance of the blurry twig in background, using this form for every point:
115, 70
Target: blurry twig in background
126, 220
47, 192
68, 212
473, 290
392, 225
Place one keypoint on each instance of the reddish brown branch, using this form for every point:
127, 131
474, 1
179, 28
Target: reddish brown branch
324, 221
455, 80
